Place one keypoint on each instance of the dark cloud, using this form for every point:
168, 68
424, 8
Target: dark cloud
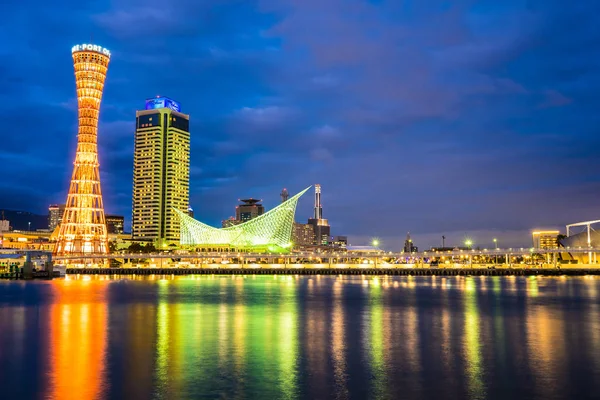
464, 118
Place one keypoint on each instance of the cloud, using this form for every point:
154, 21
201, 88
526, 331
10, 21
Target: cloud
135, 21
327, 132
425, 117
321, 154
554, 98
265, 116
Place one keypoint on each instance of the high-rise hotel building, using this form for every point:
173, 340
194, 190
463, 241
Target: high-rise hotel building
161, 171
55, 215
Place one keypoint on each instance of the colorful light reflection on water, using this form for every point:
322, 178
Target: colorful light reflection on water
285, 337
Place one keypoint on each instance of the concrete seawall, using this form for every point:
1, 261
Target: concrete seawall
339, 271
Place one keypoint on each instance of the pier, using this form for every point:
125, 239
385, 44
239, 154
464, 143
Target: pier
340, 271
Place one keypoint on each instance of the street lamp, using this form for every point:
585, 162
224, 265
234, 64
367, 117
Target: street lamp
468, 243
29, 226
496, 255
375, 243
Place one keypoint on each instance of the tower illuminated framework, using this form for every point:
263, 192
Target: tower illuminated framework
83, 227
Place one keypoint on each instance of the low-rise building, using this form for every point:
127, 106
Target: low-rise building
226, 223
545, 239
55, 215
340, 241
38, 240
115, 223
303, 234
409, 246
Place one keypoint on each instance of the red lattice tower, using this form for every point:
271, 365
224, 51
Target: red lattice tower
83, 228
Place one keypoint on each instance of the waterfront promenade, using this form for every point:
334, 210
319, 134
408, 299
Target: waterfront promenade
335, 270
523, 262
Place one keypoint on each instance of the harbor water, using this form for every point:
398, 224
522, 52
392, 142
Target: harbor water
300, 337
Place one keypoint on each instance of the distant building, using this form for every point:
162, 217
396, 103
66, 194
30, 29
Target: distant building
190, 212
409, 246
249, 209
4, 225
364, 249
303, 234
114, 224
226, 223
322, 231
321, 225
55, 215
442, 249
545, 239
340, 241
161, 171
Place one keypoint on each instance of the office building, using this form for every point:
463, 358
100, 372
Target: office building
115, 223
320, 225
83, 227
340, 242
161, 171
322, 231
409, 246
55, 215
250, 208
303, 234
545, 239
231, 221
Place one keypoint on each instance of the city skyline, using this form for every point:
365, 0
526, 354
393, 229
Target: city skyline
463, 140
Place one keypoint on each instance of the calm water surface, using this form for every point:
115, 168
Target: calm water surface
300, 337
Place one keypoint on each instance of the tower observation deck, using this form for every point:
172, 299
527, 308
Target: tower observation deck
83, 227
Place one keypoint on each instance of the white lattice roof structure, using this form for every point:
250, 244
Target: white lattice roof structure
272, 230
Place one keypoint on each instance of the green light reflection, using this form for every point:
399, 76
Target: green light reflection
288, 341
374, 339
472, 343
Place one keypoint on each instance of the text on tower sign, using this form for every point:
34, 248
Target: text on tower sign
90, 47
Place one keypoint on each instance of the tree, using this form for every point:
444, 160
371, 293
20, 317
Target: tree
135, 248
149, 248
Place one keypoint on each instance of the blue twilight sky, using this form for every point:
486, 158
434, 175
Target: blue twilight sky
463, 118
